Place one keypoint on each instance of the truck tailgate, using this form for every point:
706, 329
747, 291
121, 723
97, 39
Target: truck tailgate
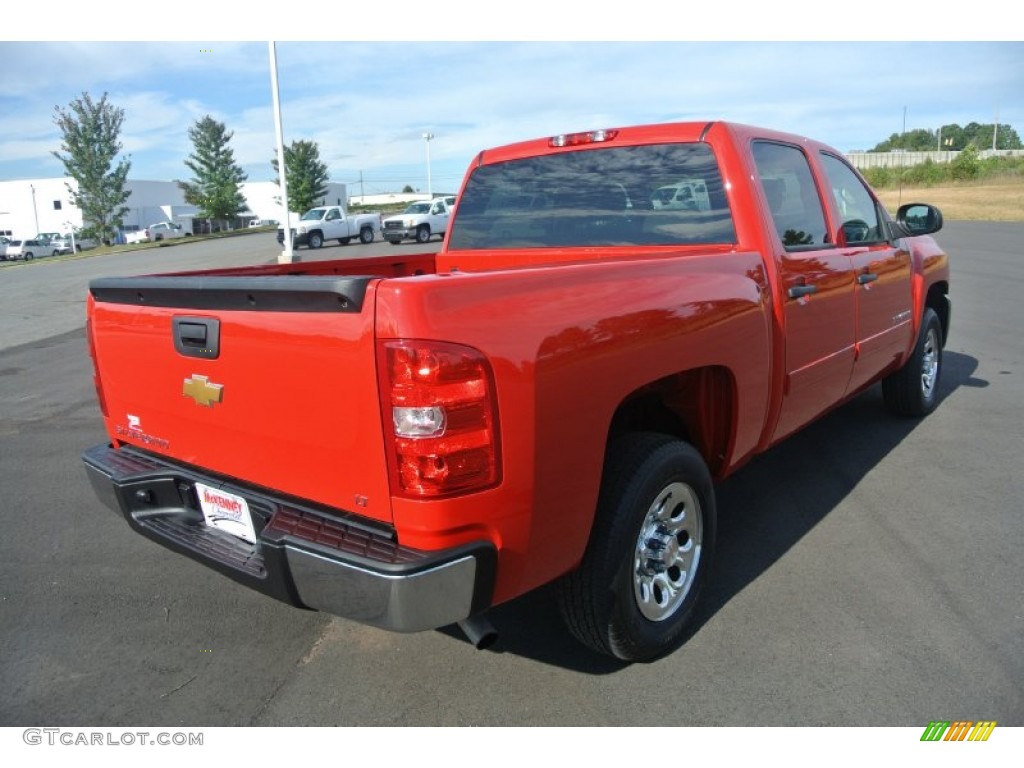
270, 380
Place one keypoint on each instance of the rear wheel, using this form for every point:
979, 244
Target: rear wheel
366, 235
634, 594
913, 389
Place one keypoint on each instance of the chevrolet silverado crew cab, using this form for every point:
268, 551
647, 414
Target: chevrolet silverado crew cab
331, 222
550, 398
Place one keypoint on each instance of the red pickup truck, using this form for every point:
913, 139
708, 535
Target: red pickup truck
407, 441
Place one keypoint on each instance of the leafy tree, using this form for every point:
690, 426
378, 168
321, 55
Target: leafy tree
91, 131
214, 188
952, 137
307, 175
407, 189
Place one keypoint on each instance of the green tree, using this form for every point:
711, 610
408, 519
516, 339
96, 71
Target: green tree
214, 188
91, 131
306, 174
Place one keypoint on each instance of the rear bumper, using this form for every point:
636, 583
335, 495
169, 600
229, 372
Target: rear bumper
303, 555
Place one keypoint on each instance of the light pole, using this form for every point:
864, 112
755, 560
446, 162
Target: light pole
35, 213
287, 255
430, 190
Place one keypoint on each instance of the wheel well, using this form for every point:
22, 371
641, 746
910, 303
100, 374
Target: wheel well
937, 299
696, 406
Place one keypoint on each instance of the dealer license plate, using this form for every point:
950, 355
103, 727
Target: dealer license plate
226, 512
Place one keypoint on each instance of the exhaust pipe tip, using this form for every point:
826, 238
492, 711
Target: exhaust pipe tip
479, 631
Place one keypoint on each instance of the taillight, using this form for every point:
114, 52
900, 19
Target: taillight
440, 418
97, 382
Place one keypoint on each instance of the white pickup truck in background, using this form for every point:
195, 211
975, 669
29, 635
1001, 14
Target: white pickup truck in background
332, 222
420, 221
164, 230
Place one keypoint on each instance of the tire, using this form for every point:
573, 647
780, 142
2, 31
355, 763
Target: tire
423, 234
78, 248
650, 550
913, 390
366, 235
315, 240
29, 256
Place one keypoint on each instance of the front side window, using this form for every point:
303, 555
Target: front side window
858, 212
659, 194
792, 195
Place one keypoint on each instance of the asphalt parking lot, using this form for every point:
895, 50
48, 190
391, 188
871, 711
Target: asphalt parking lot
868, 571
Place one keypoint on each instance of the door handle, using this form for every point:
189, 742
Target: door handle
799, 291
197, 337
866, 277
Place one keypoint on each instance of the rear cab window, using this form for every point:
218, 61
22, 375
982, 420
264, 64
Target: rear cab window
645, 195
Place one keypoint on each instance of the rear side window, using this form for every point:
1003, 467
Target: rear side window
663, 194
792, 195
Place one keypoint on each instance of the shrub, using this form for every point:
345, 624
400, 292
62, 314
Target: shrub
967, 165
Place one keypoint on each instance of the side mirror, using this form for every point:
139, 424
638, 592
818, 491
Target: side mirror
917, 219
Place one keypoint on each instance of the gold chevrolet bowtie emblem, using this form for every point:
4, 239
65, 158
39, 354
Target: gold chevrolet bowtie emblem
202, 391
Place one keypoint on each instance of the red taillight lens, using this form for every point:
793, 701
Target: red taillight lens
440, 418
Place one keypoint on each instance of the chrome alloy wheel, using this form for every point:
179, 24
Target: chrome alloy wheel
930, 363
667, 552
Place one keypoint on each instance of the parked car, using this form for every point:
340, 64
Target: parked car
3, 248
420, 221
81, 243
29, 249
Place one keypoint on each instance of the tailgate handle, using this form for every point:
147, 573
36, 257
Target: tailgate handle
197, 337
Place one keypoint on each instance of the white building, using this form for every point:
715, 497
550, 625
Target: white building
30, 206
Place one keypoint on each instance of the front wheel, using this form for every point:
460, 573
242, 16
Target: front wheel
633, 596
315, 240
423, 234
913, 390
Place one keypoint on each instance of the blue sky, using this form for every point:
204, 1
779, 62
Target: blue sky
368, 104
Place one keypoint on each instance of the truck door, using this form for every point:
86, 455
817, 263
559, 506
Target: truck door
438, 217
883, 290
816, 288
